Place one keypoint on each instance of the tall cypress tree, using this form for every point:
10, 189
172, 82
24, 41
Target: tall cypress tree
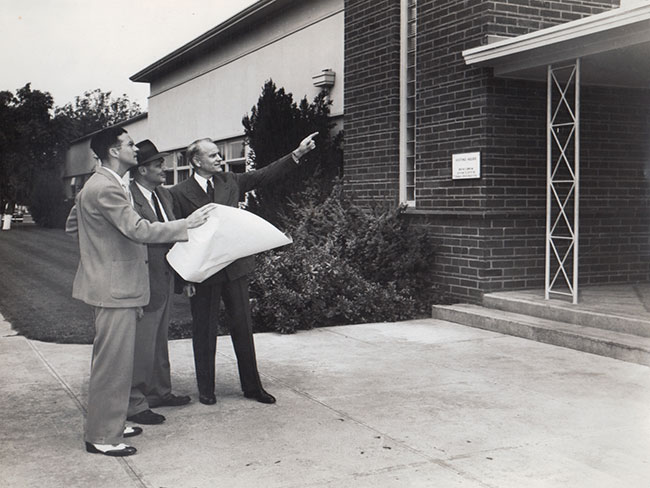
275, 127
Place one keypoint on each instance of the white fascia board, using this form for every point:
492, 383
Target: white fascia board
612, 20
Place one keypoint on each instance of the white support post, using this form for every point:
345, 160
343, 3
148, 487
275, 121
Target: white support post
547, 273
576, 203
563, 178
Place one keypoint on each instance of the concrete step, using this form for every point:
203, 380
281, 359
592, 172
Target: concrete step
618, 345
566, 312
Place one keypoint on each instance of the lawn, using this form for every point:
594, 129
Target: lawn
37, 269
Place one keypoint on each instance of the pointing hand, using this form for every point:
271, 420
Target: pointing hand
306, 145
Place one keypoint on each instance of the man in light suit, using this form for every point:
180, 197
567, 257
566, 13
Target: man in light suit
210, 183
113, 278
151, 386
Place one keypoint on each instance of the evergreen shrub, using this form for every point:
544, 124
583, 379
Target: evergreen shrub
347, 265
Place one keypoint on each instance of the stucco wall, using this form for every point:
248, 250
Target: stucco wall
209, 96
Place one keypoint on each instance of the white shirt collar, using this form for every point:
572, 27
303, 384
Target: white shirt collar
122, 180
203, 182
147, 194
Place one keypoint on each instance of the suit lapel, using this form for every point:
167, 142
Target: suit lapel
142, 205
166, 201
195, 193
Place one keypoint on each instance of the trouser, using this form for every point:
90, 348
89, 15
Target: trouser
110, 374
205, 306
151, 372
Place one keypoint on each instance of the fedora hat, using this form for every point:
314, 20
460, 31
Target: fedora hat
148, 152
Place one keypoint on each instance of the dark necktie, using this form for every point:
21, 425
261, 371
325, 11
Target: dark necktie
209, 189
156, 207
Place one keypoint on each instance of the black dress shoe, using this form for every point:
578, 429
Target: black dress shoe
261, 396
172, 400
132, 431
126, 451
208, 399
146, 417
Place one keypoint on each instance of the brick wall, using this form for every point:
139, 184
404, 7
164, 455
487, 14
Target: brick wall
516, 17
372, 91
489, 233
614, 186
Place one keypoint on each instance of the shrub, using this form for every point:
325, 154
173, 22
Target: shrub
346, 265
48, 206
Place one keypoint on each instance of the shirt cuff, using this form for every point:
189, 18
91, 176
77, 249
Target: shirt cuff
296, 159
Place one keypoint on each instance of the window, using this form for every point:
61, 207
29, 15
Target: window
234, 152
234, 155
408, 102
178, 168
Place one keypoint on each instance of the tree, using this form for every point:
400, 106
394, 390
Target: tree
274, 128
29, 143
33, 143
94, 111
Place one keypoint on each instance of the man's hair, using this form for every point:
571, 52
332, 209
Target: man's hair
104, 140
194, 148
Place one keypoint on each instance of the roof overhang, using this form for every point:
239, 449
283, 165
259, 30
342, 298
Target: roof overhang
614, 48
248, 18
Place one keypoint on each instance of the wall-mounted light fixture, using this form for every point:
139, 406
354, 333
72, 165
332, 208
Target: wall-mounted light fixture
324, 79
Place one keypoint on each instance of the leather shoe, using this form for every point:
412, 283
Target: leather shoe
146, 417
132, 431
208, 399
112, 450
172, 400
261, 396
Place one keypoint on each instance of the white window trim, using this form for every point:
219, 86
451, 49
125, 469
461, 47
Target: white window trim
404, 83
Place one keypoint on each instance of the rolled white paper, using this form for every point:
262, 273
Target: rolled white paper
229, 234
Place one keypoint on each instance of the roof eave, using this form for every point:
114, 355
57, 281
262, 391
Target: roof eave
624, 26
135, 118
146, 75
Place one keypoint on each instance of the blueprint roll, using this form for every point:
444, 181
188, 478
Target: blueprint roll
229, 234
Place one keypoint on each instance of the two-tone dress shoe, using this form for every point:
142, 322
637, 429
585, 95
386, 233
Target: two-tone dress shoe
118, 450
260, 395
132, 431
208, 399
172, 400
146, 417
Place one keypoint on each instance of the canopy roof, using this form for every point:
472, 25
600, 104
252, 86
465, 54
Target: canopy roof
614, 48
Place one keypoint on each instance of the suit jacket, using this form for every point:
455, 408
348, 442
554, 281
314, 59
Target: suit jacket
229, 189
113, 270
159, 270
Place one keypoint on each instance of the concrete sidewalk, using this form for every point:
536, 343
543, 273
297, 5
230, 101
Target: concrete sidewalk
422, 403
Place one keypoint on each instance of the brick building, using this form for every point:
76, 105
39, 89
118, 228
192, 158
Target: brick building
421, 83
415, 96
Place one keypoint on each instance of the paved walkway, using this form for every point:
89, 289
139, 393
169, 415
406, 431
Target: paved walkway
413, 404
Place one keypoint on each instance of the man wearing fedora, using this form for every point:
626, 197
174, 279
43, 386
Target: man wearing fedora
112, 277
151, 386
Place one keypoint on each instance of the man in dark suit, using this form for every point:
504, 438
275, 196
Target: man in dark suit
151, 386
113, 278
210, 183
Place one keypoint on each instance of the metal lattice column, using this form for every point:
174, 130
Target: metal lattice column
562, 180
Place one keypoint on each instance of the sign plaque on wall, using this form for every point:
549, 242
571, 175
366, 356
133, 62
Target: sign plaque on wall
466, 166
